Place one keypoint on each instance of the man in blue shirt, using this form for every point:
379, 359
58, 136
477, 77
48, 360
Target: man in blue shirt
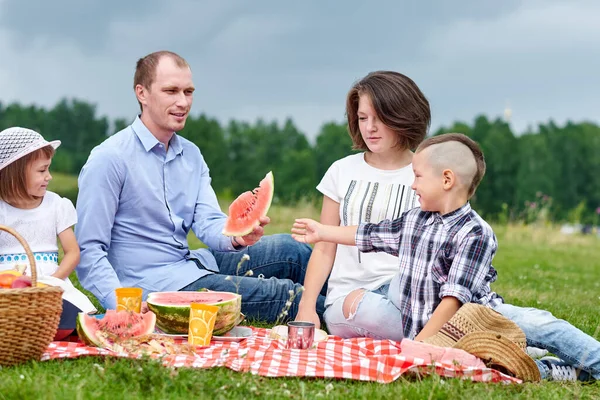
145, 187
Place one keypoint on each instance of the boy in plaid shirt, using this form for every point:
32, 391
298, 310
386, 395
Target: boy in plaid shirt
445, 251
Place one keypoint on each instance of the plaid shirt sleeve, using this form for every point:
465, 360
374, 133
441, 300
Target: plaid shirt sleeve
384, 236
470, 266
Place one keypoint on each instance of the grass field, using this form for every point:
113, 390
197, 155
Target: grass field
537, 267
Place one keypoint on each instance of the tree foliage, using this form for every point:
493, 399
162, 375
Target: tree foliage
555, 167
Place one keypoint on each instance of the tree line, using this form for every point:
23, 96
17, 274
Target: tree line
548, 173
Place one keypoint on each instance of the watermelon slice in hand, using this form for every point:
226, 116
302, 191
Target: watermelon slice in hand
245, 211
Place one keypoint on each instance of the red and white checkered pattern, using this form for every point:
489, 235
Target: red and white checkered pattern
360, 358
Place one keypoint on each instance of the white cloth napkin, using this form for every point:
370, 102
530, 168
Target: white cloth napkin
70, 293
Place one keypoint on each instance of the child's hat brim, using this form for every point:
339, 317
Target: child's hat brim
17, 142
500, 353
489, 335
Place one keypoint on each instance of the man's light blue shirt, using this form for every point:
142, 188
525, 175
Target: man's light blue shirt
136, 205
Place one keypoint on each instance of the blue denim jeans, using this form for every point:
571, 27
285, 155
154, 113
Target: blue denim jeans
545, 331
375, 317
278, 264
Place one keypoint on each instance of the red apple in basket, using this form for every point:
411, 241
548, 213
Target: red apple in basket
21, 282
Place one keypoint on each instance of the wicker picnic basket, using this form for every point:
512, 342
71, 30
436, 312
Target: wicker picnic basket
29, 316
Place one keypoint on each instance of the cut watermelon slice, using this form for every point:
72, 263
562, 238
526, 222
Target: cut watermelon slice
245, 211
120, 324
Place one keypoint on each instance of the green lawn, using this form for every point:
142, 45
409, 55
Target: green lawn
537, 267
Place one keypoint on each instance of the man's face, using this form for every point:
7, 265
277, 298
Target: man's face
166, 104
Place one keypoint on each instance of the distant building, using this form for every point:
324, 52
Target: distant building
507, 113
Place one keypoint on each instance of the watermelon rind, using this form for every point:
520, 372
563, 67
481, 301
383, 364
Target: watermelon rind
84, 332
271, 180
174, 318
232, 224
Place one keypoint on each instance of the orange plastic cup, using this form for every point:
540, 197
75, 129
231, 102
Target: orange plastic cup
129, 299
202, 323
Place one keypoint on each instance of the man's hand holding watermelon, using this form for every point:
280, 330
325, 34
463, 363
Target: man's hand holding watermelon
252, 237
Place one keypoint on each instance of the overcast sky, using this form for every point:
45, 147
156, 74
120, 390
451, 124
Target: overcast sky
274, 59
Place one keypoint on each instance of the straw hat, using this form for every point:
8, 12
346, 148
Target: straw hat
17, 142
487, 334
500, 353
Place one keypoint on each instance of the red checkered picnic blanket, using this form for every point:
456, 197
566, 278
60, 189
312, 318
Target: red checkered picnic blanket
362, 359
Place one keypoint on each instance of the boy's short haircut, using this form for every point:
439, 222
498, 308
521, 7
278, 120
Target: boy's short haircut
13, 178
399, 104
471, 144
145, 69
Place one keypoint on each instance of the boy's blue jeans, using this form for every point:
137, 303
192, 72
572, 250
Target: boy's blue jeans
278, 264
545, 331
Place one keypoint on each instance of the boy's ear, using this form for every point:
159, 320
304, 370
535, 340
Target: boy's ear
448, 179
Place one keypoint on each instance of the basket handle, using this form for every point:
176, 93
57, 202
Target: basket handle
27, 251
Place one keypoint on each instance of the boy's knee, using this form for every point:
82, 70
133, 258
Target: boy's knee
351, 302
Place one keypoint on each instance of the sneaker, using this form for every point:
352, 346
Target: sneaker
536, 353
563, 372
549, 360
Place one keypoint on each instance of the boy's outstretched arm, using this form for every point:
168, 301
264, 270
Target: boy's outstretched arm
442, 314
306, 230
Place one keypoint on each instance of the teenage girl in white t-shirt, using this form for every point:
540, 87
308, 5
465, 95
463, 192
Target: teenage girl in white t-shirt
39, 216
388, 116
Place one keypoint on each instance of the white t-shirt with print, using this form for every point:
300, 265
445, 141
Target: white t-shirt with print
39, 227
365, 194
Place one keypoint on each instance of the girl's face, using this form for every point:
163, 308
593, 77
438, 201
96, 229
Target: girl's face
378, 137
38, 176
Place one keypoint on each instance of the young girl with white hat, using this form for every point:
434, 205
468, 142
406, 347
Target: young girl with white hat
39, 216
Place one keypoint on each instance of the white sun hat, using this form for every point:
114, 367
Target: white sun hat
17, 142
